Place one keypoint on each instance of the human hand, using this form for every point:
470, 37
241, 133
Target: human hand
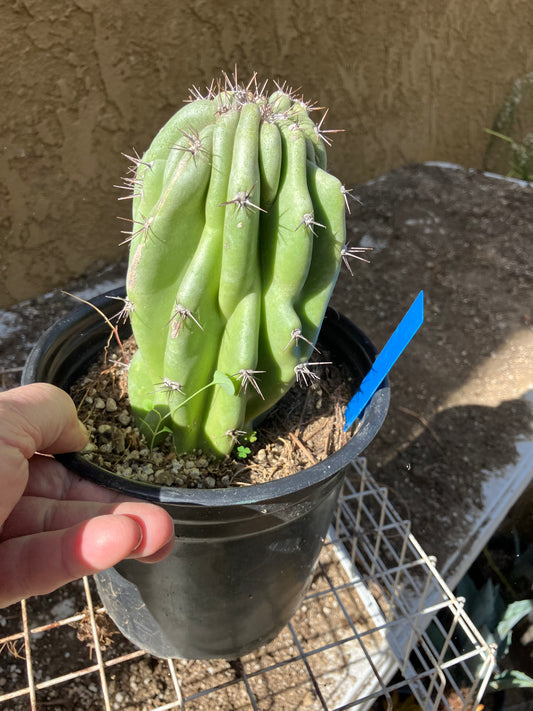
54, 526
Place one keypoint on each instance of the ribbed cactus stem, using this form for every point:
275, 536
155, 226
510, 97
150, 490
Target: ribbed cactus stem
235, 245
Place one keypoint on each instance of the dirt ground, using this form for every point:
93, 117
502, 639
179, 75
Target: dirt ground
457, 405
456, 409
457, 393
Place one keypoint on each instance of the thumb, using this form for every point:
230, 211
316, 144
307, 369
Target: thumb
40, 417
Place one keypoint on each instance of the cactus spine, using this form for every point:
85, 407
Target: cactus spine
237, 236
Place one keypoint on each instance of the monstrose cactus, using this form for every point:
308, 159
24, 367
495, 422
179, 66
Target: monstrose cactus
237, 236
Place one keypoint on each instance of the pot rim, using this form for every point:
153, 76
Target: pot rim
52, 341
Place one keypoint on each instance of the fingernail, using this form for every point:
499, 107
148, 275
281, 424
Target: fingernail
171, 537
139, 542
83, 430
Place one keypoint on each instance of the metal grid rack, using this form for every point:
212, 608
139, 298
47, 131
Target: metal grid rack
376, 606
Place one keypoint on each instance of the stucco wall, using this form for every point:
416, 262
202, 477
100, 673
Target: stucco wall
84, 80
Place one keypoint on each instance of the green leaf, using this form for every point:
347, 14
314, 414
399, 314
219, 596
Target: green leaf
154, 423
515, 612
484, 606
243, 452
508, 139
510, 679
225, 382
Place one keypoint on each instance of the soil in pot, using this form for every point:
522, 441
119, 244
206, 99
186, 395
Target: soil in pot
304, 428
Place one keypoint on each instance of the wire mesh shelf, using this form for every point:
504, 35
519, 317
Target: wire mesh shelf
377, 618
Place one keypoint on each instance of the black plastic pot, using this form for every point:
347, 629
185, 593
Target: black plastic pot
242, 557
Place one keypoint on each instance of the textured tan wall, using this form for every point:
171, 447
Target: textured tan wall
84, 80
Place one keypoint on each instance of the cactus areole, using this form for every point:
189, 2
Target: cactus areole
236, 239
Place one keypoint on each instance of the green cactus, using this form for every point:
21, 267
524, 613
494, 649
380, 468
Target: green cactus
236, 240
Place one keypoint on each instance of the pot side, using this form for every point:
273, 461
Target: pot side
242, 557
